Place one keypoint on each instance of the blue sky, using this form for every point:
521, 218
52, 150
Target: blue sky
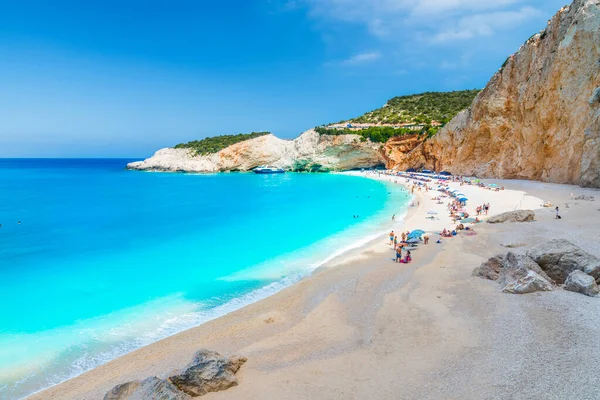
124, 78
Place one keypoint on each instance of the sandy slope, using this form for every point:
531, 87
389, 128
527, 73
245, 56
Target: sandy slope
365, 327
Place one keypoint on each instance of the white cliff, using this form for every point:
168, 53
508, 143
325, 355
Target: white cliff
310, 151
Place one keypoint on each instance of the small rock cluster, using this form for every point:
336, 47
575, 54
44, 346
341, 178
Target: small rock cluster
208, 372
512, 216
584, 197
556, 262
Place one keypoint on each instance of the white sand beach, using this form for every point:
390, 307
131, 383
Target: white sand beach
363, 326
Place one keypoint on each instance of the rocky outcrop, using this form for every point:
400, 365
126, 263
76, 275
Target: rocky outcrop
397, 149
516, 273
309, 152
151, 388
491, 268
559, 257
539, 116
208, 372
580, 282
529, 283
512, 216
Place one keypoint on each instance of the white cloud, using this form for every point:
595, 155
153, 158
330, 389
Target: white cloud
484, 24
362, 58
425, 18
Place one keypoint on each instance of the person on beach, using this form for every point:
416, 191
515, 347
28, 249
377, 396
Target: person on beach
392, 237
426, 239
404, 236
394, 217
398, 254
395, 241
557, 214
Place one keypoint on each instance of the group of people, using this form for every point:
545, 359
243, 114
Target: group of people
399, 247
485, 208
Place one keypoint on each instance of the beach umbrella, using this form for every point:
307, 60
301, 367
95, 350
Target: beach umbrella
467, 220
493, 185
462, 199
432, 212
419, 231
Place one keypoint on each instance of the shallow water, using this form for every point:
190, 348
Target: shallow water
106, 260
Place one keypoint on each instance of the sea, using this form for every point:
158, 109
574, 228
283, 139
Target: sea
97, 261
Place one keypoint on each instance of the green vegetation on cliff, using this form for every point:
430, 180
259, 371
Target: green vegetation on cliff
214, 144
420, 108
377, 134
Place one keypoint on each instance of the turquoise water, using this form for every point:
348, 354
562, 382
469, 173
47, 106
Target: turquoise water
106, 260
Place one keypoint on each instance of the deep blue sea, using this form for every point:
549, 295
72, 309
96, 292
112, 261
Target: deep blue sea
96, 261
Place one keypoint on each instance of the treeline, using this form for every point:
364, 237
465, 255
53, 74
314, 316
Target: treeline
214, 144
377, 134
421, 108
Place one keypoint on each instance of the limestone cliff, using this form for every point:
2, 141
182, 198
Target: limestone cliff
309, 152
539, 116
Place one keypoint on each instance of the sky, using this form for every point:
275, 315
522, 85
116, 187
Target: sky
125, 78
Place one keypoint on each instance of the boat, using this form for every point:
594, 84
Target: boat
266, 169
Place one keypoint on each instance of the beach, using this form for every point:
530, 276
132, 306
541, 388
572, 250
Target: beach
362, 326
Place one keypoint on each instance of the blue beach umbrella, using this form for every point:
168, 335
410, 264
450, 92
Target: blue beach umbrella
493, 185
462, 199
417, 232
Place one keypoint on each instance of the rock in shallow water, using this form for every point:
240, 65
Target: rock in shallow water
580, 282
208, 372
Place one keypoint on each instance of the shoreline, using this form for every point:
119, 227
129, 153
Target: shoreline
174, 351
259, 294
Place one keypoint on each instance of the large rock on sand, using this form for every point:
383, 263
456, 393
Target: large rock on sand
491, 268
560, 257
151, 388
531, 282
516, 266
208, 372
580, 282
512, 216
516, 273
520, 275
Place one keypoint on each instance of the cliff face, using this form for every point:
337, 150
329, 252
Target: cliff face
539, 116
397, 149
310, 151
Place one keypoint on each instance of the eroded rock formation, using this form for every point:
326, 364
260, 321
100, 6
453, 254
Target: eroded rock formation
539, 116
208, 372
308, 152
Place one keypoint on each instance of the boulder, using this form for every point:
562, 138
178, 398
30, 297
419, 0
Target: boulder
559, 257
512, 216
516, 273
490, 269
151, 388
580, 282
531, 282
517, 266
208, 372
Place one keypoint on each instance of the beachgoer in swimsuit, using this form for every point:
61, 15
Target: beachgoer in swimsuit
392, 237
398, 254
